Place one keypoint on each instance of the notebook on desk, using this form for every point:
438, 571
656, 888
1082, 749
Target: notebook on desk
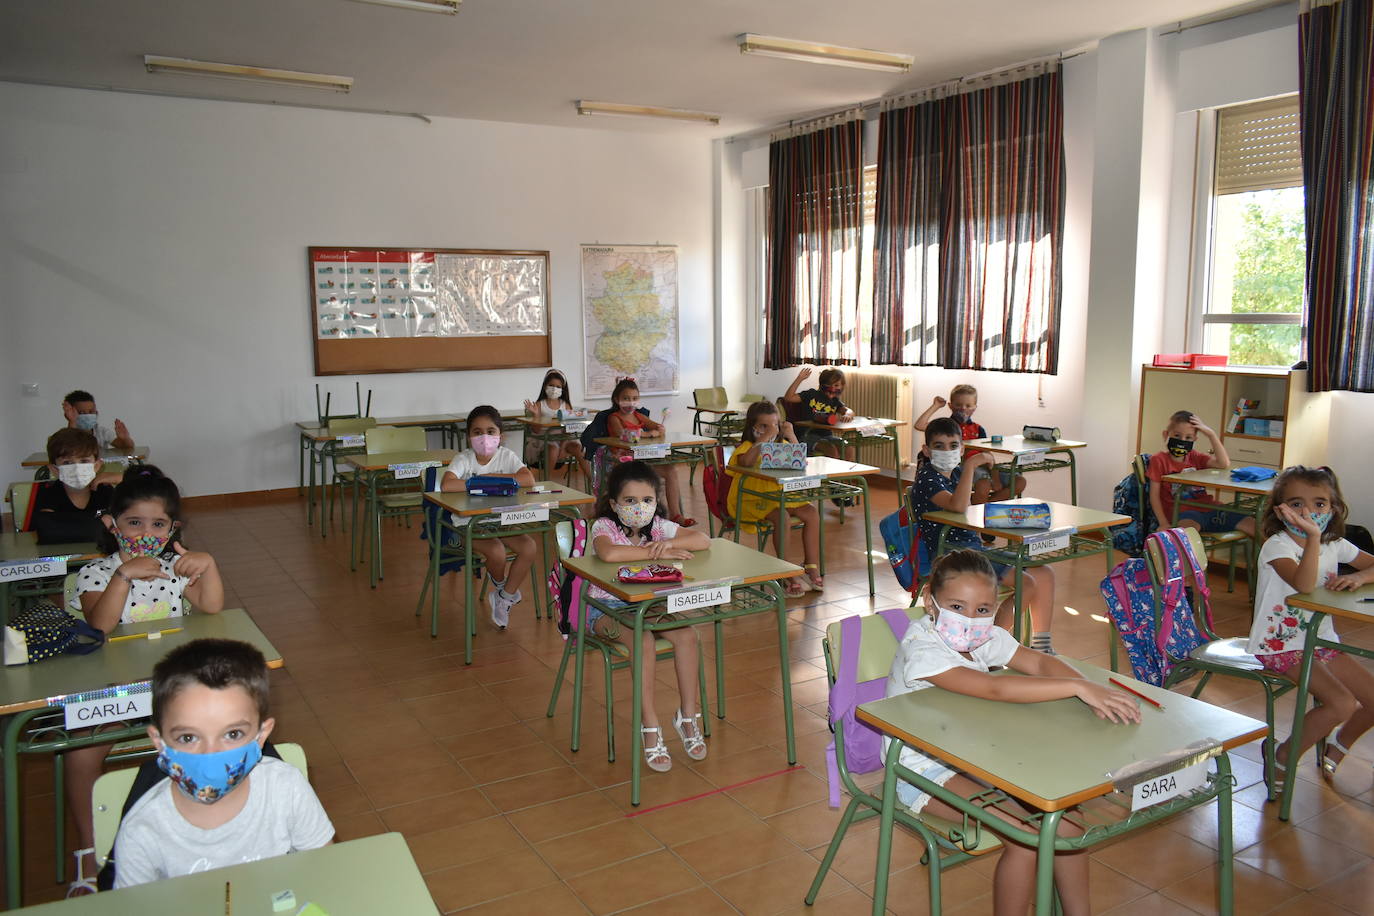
783, 456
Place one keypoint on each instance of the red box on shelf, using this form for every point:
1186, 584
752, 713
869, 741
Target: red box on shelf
1188, 360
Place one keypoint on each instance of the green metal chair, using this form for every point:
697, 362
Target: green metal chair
332, 451
1230, 541
615, 656
947, 843
395, 499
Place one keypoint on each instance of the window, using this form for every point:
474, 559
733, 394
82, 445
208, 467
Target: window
1254, 285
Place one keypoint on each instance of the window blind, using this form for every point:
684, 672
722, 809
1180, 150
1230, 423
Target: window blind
1259, 146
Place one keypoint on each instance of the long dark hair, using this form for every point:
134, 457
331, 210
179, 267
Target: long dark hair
1271, 524
477, 413
751, 417
562, 380
142, 482
958, 562
621, 387
629, 472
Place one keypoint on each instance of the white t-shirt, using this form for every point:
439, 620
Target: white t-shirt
104, 435
924, 654
1277, 627
281, 815
149, 599
465, 464
660, 529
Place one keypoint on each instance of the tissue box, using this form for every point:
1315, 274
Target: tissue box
1264, 426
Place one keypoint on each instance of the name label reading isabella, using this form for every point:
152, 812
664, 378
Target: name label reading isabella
85, 713
18, 570
692, 599
525, 516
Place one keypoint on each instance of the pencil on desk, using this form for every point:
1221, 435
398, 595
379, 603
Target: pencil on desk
1155, 703
228, 900
157, 634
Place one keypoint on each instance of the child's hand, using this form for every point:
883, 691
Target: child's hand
1201, 427
664, 550
937, 402
529, 408
143, 568
1109, 704
1298, 520
192, 564
804, 374
122, 431
786, 431
978, 459
1338, 583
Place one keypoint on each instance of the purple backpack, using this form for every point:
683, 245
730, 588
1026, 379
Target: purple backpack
863, 744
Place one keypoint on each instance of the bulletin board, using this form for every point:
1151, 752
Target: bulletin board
428, 309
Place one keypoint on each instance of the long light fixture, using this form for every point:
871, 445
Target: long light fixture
817, 53
424, 6
585, 107
157, 64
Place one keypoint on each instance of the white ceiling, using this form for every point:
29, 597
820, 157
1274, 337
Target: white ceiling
527, 60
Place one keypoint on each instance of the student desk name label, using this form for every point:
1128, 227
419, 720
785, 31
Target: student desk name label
410, 469
792, 484
37, 568
525, 516
109, 705
1048, 542
576, 426
694, 598
352, 441
641, 452
1170, 785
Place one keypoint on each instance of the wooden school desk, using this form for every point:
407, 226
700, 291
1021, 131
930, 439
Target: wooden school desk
548, 431
824, 478
752, 578
1034, 455
1053, 756
43, 688
683, 448
1030, 547
1354, 607
366, 877
135, 455
22, 547
483, 518
861, 431
373, 469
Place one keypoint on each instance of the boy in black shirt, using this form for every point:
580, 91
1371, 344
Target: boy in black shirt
820, 405
65, 508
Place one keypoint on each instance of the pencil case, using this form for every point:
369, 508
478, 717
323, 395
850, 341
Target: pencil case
654, 572
488, 485
1252, 473
1017, 515
1041, 433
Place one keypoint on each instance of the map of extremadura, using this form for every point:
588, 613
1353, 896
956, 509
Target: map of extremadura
630, 317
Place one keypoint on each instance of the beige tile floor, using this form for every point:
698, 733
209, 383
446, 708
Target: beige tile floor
503, 818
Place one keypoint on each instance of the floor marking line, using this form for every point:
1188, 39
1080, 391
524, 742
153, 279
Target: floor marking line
690, 798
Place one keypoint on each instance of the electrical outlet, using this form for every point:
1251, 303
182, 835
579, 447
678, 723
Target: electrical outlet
30, 389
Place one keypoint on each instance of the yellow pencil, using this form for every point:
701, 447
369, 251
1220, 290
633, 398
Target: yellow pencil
160, 634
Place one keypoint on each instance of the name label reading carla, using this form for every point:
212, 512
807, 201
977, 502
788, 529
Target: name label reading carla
38, 568
642, 452
697, 598
85, 713
1170, 785
790, 484
525, 516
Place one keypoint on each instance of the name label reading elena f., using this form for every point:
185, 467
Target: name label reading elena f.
1170, 785
642, 452
790, 484
525, 516
38, 568
1048, 543
692, 599
410, 469
85, 713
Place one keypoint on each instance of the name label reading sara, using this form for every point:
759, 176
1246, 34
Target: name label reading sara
642, 452
791, 484
85, 713
410, 469
692, 599
525, 516
38, 568
1048, 543
1170, 785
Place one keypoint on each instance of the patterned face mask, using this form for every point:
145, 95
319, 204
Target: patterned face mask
1178, 448
960, 633
144, 545
636, 515
207, 778
1320, 519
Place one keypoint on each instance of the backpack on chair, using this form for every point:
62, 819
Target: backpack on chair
1131, 497
902, 541
715, 483
565, 586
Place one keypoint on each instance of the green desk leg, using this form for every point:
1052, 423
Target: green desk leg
304, 446
868, 535
1309, 648
785, 664
636, 702
353, 534
1226, 876
886, 817
1073, 478
436, 548
1044, 862
310, 489
469, 611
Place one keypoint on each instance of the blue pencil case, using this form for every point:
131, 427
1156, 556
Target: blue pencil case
1017, 515
1252, 474
490, 485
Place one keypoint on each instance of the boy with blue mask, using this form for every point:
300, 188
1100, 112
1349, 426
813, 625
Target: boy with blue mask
223, 802
78, 408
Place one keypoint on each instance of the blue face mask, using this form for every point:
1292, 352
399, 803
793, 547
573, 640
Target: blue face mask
207, 778
1320, 519
87, 421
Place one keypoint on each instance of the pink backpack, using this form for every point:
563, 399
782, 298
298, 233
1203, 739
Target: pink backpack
565, 588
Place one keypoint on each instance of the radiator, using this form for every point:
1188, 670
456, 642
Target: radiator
881, 394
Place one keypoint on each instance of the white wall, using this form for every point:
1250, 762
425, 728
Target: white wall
154, 252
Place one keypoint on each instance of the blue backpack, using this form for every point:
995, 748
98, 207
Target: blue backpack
1129, 497
1153, 645
905, 551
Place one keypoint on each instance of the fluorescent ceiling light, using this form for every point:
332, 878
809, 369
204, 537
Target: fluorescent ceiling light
156, 64
817, 53
426, 6
644, 111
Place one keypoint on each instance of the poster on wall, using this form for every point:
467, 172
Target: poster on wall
630, 317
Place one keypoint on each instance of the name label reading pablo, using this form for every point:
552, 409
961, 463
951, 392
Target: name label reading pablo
352, 441
790, 484
695, 598
524, 516
1031, 457
85, 713
38, 568
1170, 785
410, 469
1048, 543
650, 451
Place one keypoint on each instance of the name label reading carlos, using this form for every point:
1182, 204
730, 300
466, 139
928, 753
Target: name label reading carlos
85, 713
698, 598
39, 568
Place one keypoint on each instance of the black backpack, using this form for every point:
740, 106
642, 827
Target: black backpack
599, 429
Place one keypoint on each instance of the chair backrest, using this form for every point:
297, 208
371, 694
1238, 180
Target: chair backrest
709, 397
715, 484
1156, 558
351, 426
112, 788
878, 649
750, 398
20, 496
395, 439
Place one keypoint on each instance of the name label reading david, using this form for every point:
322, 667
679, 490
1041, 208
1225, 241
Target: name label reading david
790, 484
410, 469
698, 598
642, 452
1170, 785
38, 568
85, 713
525, 516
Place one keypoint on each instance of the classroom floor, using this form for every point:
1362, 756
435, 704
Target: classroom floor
503, 818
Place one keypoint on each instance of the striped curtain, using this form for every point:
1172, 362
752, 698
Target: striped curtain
815, 220
969, 235
1336, 98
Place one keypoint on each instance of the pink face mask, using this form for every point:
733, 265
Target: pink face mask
485, 445
960, 633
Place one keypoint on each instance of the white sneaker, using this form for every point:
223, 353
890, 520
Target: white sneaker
501, 605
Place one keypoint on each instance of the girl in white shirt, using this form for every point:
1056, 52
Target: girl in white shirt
485, 455
553, 397
1304, 543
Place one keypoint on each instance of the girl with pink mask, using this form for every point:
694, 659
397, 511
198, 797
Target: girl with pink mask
486, 456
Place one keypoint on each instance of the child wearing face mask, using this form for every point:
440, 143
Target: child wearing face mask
821, 404
953, 647
631, 527
222, 802
553, 397
763, 424
78, 408
1304, 530
485, 455
944, 482
962, 402
629, 415
1178, 455
145, 577
66, 508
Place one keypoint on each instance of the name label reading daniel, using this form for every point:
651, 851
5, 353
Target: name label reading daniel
1048, 543
697, 598
18, 570
524, 516
1170, 785
85, 713
650, 451
790, 484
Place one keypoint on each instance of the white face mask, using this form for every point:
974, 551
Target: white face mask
553, 392
76, 476
946, 460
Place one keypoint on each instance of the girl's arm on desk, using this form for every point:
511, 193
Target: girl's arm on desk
1113, 705
206, 588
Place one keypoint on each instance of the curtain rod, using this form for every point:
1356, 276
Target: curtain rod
1226, 15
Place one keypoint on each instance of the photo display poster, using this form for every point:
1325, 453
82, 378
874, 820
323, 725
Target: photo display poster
361, 293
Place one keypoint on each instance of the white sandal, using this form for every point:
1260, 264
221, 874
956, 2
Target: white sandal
656, 754
82, 885
695, 743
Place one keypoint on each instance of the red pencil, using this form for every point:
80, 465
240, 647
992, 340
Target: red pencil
1155, 703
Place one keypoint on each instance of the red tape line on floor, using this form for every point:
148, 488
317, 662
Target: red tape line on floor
691, 798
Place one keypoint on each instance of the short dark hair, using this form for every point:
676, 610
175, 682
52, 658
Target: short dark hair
215, 663
68, 441
485, 410
1180, 416
942, 426
751, 417
830, 376
76, 397
141, 482
628, 472
958, 562
1271, 524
